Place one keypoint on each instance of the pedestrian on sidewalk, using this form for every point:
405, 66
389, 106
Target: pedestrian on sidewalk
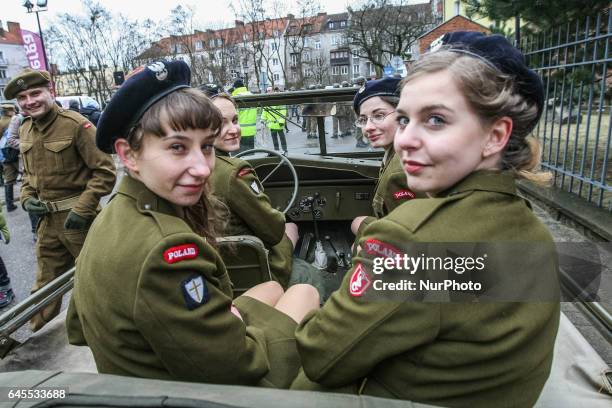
6, 292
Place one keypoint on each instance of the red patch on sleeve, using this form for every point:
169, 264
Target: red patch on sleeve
379, 248
87, 125
180, 253
404, 194
359, 282
245, 171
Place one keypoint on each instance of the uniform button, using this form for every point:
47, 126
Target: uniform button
147, 206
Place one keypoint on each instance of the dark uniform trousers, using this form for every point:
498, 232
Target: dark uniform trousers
473, 353
56, 251
61, 164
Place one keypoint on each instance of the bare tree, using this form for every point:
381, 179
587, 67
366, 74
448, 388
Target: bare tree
380, 29
298, 32
262, 31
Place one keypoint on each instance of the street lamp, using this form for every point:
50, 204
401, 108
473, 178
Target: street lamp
41, 5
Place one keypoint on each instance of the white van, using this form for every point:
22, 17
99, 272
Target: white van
83, 100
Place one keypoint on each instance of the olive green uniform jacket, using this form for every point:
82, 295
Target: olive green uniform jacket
236, 184
152, 299
391, 188
61, 160
449, 354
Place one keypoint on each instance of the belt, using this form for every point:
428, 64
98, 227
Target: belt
61, 205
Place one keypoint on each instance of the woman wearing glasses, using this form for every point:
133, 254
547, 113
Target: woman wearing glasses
375, 105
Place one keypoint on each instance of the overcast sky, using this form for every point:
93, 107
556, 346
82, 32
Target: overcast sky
207, 11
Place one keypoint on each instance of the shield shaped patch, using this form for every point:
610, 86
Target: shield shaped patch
195, 292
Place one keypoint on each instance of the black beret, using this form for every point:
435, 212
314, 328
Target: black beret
496, 51
26, 79
378, 87
146, 86
238, 83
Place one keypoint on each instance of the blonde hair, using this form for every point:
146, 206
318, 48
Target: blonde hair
492, 94
181, 110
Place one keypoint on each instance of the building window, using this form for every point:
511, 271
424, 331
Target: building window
294, 59
276, 77
306, 56
457, 7
212, 43
274, 61
330, 25
318, 45
2, 73
344, 69
334, 40
274, 46
342, 24
2, 93
355, 70
219, 42
199, 45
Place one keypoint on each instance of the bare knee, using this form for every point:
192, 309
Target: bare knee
307, 293
291, 230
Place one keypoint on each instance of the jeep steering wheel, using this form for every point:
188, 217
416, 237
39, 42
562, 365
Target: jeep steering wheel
283, 160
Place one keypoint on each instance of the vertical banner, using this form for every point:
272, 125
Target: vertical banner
33, 50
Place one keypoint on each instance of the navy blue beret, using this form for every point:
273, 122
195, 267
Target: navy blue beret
138, 93
377, 87
496, 51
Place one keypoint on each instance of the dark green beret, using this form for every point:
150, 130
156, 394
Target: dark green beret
26, 79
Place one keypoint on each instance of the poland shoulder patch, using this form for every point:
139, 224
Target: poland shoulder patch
359, 282
195, 292
180, 253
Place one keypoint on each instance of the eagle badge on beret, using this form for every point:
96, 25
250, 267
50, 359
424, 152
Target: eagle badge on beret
160, 70
21, 84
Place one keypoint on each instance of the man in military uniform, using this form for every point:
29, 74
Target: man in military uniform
65, 175
10, 165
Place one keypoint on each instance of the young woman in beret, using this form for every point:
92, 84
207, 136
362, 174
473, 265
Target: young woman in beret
375, 104
464, 120
151, 295
236, 184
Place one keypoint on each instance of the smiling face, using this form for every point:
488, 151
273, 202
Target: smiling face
229, 137
379, 134
35, 102
440, 140
175, 166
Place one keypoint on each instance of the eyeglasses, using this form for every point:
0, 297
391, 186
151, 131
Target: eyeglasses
376, 119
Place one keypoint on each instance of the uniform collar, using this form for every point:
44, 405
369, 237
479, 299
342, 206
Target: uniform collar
484, 180
222, 153
146, 200
44, 122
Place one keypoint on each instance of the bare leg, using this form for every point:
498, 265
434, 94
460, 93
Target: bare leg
291, 230
356, 223
298, 300
267, 292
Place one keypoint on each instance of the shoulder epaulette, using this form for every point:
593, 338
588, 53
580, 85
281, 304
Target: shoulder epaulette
414, 213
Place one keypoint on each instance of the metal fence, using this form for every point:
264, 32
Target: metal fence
574, 63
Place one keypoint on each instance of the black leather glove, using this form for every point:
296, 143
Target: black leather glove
75, 221
34, 206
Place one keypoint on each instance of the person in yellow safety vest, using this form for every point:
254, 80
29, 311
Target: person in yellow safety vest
247, 118
274, 118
